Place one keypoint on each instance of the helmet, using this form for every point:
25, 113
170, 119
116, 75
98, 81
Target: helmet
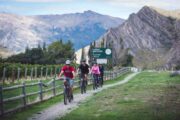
68, 62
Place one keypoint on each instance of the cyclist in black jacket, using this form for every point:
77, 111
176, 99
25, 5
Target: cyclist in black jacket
84, 69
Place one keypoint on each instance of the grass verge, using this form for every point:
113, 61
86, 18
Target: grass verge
148, 96
22, 115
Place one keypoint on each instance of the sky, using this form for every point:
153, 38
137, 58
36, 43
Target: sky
116, 8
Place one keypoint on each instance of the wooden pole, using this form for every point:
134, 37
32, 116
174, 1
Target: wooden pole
25, 74
19, 72
4, 74
31, 73
24, 94
40, 91
51, 72
1, 101
35, 72
41, 72
13, 75
55, 71
54, 89
46, 72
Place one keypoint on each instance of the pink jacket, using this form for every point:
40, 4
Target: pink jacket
95, 70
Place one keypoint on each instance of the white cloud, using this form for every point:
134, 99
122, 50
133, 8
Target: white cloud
41, 1
166, 4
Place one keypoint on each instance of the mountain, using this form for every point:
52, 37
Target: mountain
151, 36
18, 32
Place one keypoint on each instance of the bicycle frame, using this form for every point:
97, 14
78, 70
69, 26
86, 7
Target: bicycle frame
82, 83
67, 93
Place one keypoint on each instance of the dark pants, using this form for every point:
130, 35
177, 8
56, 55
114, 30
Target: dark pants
102, 77
82, 76
95, 76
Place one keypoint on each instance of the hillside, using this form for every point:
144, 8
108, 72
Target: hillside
17, 32
150, 36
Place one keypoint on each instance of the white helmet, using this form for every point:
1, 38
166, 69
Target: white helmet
68, 62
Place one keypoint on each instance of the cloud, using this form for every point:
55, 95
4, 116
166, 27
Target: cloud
166, 4
40, 1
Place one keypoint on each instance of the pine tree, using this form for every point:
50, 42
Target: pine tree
44, 46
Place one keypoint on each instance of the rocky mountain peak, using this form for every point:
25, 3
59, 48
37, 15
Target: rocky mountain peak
148, 36
89, 12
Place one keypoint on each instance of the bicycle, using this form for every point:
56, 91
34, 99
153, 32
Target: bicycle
68, 96
95, 81
83, 83
100, 80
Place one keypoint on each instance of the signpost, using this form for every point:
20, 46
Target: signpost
101, 55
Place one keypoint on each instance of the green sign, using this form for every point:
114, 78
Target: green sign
101, 53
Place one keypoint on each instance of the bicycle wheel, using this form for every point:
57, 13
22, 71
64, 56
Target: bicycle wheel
100, 81
65, 96
85, 86
69, 95
81, 86
95, 84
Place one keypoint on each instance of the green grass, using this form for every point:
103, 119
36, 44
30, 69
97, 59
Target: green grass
22, 115
148, 96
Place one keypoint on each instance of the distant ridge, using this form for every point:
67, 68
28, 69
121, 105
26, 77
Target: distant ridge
80, 28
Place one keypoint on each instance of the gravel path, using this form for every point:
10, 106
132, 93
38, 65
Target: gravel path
59, 110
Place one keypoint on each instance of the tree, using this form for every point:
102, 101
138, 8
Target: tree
27, 49
59, 51
44, 47
103, 43
56, 52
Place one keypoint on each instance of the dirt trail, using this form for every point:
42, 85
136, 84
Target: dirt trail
59, 110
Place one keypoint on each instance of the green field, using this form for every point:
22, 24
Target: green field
148, 96
22, 115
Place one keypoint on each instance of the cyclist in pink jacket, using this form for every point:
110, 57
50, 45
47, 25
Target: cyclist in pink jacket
95, 71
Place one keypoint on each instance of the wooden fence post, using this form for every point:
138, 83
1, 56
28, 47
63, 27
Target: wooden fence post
113, 74
40, 91
24, 93
35, 69
25, 74
13, 75
110, 75
46, 72
51, 72
106, 75
19, 72
54, 89
4, 74
1, 101
55, 69
31, 73
41, 72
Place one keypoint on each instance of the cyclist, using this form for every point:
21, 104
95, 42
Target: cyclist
84, 69
101, 69
69, 74
95, 71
